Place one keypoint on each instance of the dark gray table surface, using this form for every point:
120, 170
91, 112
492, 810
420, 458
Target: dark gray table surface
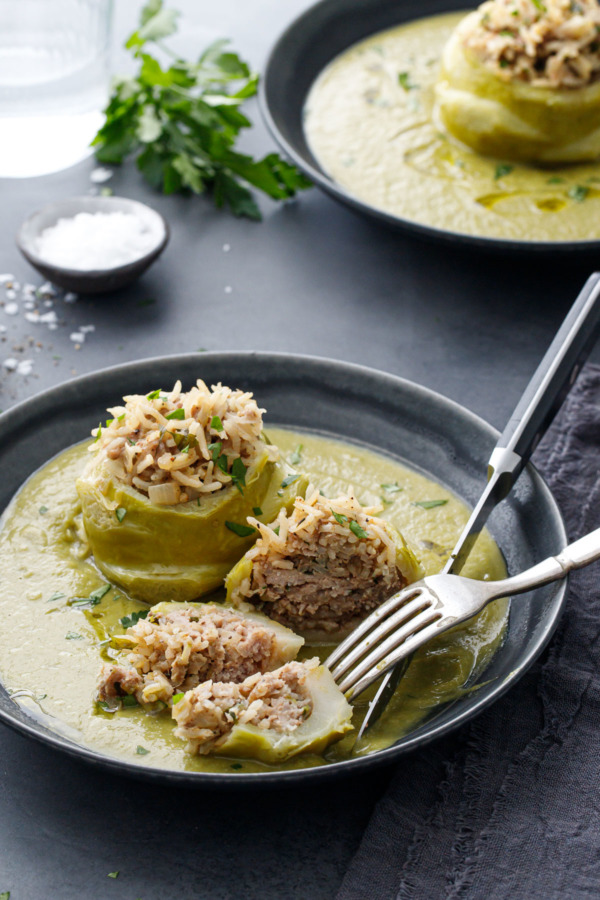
311, 278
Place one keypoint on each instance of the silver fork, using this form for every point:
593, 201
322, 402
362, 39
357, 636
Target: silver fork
432, 606
540, 401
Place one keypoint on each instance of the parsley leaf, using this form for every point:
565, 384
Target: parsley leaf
578, 193
289, 479
358, 531
257, 510
141, 751
120, 513
392, 488
178, 413
238, 474
182, 122
339, 518
216, 424
502, 169
178, 697
154, 395
240, 530
405, 82
430, 504
128, 621
296, 455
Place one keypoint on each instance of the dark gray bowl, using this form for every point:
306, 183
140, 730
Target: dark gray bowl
90, 281
416, 425
301, 53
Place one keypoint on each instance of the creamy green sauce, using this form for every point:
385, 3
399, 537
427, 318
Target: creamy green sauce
51, 649
369, 122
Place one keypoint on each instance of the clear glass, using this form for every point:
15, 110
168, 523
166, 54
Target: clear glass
54, 71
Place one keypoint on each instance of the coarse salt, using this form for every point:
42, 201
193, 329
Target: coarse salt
91, 241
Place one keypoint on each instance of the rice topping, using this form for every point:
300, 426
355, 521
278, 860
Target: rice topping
545, 43
176, 649
276, 701
327, 564
178, 446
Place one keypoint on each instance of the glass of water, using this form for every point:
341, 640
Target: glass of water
54, 71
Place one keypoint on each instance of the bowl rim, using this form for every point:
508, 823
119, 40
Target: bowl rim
338, 192
16, 415
92, 274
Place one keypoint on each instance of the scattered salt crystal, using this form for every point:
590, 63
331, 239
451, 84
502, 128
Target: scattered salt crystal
226, 248
11, 294
45, 318
101, 174
6, 278
77, 337
52, 326
47, 290
11, 309
32, 316
2, 329
228, 289
24, 367
91, 241
10, 364
28, 290
29, 304
70, 297
86, 329
48, 304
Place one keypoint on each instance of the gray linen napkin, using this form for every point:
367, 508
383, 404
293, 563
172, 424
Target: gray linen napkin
509, 806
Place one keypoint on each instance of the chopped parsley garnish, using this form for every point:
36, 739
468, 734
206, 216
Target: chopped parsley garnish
57, 595
358, 531
539, 5
405, 82
5, 895
141, 751
215, 450
339, 518
276, 529
113, 875
556, 179
97, 595
43, 510
392, 488
578, 193
503, 64
233, 766
128, 621
289, 479
238, 474
178, 413
240, 530
506, 33
154, 395
257, 510
128, 701
120, 513
73, 636
216, 424
222, 464
502, 169
178, 697
98, 432
430, 504
94, 598
296, 455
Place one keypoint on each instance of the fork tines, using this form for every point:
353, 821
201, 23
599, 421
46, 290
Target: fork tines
366, 654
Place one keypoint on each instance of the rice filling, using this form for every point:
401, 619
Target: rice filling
277, 701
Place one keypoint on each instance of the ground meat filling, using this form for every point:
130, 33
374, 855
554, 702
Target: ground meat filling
176, 447
177, 650
554, 43
327, 564
277, 701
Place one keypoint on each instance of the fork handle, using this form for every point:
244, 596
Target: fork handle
576, 555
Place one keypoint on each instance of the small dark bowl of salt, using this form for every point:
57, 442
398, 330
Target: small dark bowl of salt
93, 245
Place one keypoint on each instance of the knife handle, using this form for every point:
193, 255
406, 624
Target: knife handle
555, 374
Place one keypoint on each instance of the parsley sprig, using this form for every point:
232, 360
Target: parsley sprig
182, 122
